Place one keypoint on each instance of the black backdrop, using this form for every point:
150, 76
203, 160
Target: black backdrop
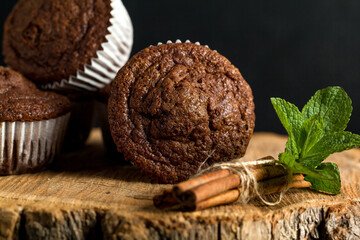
283, 48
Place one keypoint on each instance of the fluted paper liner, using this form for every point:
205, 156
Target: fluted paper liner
179, 41
29, 146
114, 54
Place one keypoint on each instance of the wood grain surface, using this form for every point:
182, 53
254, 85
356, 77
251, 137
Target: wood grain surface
90, 195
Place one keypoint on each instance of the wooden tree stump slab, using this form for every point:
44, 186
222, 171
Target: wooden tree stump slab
87, 194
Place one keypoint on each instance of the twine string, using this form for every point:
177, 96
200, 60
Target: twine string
249, 187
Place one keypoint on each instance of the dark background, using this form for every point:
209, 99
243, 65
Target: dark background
286, 48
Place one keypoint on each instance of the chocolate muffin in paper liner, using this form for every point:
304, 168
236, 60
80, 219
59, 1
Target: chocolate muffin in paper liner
32, 124
68, 45
177, 107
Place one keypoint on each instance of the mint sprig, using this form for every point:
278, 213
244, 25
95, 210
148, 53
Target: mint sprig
315, 133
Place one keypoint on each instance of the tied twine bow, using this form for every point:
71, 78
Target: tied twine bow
249, 186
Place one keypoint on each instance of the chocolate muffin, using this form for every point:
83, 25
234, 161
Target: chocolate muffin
67, 44
178, 107
32, 124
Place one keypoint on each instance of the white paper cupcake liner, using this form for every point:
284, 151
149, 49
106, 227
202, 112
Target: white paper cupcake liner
114, 54
179, 41
28, 146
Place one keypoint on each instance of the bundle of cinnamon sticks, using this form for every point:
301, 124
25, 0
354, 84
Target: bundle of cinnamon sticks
223, 187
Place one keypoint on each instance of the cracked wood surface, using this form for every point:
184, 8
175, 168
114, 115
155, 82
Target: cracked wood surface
87, 194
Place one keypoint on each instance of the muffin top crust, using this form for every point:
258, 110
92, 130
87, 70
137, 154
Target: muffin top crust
20, 100
49, 40
177, 107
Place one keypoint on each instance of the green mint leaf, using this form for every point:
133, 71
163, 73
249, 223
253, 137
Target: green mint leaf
291, 119
288, 113
287, 158
314, 134
297, 168
328, 144
333, 104
331, 185
291, 146
313, 129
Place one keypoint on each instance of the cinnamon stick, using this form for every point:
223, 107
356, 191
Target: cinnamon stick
194, 182
272, 185
266, 172
210, 189
298, 177
221, 199
300, 184
166, 200
275, 185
